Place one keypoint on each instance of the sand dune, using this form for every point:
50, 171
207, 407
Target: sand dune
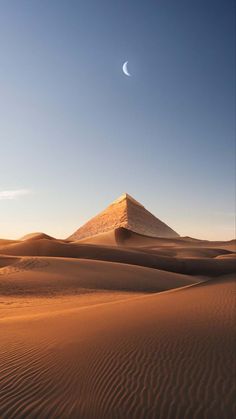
5, 242
124, 237
7, 260
51, 276
37, 236
227, 256
162, 259
166, 356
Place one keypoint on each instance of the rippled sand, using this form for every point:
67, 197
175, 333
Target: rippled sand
168, 355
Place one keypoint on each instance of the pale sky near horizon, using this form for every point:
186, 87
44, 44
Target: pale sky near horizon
75, 132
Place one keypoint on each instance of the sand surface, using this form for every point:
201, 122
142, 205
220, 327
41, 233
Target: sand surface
135, 328
167, 355
177, 256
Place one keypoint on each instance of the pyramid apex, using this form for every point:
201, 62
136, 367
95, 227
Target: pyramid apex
126, 196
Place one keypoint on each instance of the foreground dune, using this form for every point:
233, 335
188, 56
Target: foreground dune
168, 355
52, 276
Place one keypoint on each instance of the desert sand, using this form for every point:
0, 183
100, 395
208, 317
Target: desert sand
117, 325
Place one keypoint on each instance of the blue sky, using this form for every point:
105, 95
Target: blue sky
75, 132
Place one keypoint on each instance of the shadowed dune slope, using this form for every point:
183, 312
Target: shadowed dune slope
227, 256
153, 258
163, 356
128, 238
7, 260
50, 276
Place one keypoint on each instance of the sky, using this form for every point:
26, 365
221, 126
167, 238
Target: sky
76, 133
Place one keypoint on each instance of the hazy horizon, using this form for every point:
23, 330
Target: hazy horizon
76, 133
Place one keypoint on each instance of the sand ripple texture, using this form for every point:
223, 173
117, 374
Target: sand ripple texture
163, 356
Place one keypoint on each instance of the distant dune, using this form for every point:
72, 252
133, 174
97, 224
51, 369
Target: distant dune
36, 236
183, 259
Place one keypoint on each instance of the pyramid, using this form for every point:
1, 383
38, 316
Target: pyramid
128, 213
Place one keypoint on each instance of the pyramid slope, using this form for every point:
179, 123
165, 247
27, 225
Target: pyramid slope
128, 213
114, 216
143, 222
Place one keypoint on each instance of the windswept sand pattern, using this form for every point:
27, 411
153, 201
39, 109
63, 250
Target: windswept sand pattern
164, 356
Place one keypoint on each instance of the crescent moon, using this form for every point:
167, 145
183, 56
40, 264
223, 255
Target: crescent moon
125, 69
